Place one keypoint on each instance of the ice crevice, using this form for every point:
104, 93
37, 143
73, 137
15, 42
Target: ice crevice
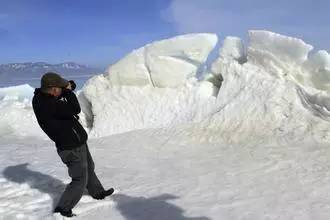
148, 68
318, 104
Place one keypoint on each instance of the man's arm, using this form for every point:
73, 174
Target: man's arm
67, 105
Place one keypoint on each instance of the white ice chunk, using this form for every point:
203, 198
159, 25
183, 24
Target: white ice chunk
317, 69
232, 52
321, 59
19, 92
166, 63
233, 48
154, 86
165, 69
130, 70
284, 48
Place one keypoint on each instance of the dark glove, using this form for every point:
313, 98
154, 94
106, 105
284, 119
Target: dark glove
65, 92
73, 85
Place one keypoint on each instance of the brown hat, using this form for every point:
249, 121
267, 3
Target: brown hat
51, 79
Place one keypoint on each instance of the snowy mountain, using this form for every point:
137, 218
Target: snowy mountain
18, 73
250, 140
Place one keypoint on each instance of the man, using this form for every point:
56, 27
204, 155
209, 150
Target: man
56, 108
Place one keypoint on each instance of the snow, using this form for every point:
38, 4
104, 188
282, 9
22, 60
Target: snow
162, 176
233, 48
115, 109
154, 86
249, 141
286, 49
166, 63
257, 101
290, 57
16, 113
20, 92
318, 67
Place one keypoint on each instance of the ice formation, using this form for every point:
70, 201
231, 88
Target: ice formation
267, 92
154, 86
166, 63
124, 108
16, 113
272, 87
17, 92
272, 94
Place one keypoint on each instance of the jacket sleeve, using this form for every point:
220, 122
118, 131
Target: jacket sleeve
66, 106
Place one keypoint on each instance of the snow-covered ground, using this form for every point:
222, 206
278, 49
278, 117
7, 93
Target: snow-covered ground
248, 141
163, 177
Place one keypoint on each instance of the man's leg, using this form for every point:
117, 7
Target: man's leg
94, 185
76, 161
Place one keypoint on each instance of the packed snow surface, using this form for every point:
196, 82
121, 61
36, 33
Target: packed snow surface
248, 141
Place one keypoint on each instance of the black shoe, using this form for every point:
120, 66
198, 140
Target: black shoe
103, 194
64, 212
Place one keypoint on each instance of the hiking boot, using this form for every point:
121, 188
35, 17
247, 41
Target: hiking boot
66, 213
103, 194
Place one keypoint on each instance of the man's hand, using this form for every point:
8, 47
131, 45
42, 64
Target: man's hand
72, 85
69, 86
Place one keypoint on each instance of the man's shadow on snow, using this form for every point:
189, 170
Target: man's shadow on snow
155, 208
36, 180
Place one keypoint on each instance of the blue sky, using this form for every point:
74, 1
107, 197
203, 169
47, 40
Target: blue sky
99, 32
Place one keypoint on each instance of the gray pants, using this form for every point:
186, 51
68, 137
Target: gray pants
81, 169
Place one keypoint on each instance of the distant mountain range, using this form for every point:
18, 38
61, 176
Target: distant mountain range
37, 69
18, 73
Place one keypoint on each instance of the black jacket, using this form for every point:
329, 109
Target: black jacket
58, 118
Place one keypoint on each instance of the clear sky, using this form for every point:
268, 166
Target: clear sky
99, 32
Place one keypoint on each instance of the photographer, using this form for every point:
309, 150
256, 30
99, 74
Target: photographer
56, 108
